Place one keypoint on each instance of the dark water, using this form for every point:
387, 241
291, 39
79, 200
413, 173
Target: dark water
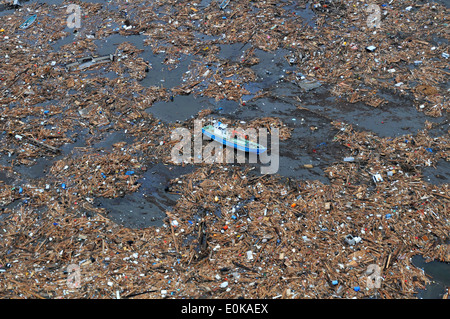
440, 277
181, 109
438, 175
147, 206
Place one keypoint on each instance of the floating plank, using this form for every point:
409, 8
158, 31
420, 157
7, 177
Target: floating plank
86, 62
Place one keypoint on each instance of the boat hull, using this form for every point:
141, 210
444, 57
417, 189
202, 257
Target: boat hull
28, 22
256, 148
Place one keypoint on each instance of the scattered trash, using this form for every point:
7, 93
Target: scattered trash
349, 239
224, 284
72, 138
377, 178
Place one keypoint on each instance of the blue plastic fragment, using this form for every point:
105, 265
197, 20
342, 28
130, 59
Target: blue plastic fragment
129, 173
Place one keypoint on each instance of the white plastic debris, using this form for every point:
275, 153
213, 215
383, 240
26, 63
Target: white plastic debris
249, 255
349, 239
377, 178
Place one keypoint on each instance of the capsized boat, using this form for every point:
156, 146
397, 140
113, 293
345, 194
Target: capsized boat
28, 22
232, 138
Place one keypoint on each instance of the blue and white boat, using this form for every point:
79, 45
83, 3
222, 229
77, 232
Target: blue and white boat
28, 22
232, 138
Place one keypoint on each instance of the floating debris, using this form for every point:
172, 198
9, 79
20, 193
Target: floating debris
224, 4
86, 62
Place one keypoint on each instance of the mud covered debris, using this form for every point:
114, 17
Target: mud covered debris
75, 133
